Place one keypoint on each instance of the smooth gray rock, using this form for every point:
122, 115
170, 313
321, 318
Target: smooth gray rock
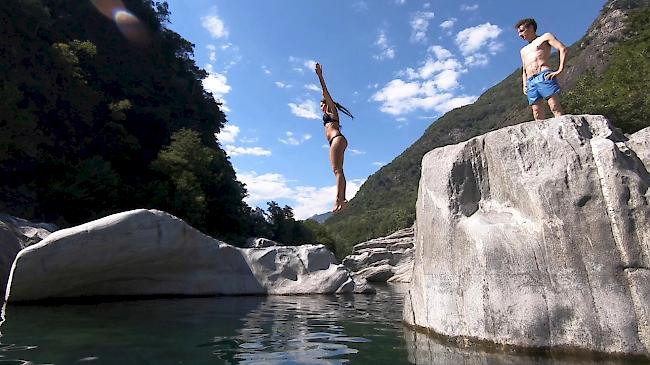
383, 259
258, 242
376, 273
640, 143
16, 234
148, 252
536, 235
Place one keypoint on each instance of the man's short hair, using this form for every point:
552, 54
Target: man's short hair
527, 23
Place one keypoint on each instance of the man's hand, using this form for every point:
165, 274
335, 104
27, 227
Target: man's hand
319, 69
552, 75
525, 89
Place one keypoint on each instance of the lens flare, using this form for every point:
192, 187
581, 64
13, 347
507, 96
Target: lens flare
131, 26
107, 7
128, 24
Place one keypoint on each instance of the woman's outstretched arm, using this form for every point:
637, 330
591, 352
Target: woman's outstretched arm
326, 94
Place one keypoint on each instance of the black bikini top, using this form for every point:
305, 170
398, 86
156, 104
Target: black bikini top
328, 119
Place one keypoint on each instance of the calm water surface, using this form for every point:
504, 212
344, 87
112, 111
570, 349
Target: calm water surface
355, 329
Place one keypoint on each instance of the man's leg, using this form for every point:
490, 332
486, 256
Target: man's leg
538, 109
554, 104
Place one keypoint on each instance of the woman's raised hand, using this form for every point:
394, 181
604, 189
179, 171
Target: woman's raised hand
319, 69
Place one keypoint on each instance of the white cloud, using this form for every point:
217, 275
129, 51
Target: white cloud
305, 200
266, 70
476, 42
447, 79
282, 85
232, 150
400, 2
420, 25
264, 188
473, 39
228, 134
466, 7
292, 140
431, 67
249, 140
312, 87
310, 65
217, 84
429, 87
311, 200
307, 109
212, 53
360, 6
399, 97
300, 64
449, 23
440, 52
477, 59
215, 26
386, 50
378, 163
356, 152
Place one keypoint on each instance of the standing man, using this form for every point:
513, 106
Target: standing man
538, 79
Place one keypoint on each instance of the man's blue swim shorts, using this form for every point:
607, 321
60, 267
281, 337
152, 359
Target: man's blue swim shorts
539, 87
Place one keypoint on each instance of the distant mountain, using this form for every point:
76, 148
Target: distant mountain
386, 201
320, 218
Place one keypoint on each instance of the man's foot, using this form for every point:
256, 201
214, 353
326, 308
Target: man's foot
340, 206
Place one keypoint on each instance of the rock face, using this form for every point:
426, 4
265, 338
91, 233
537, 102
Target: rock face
16, 234
383, 259
148, 252
258, 242
536, 235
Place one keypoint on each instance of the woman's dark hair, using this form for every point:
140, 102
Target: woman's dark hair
527, 23
341, 108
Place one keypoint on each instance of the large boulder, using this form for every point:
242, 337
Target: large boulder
149, 252
16, 234
384, 259
536, 235
259, 242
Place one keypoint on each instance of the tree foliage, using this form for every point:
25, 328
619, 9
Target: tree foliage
93, 123
621, 92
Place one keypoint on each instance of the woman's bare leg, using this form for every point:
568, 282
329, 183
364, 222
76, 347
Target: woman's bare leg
337, 151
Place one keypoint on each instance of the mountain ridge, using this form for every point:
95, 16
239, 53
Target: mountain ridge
386, 201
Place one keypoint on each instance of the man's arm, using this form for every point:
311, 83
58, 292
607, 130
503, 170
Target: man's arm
524, 80
562, 49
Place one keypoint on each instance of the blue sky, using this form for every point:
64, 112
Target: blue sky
398, 65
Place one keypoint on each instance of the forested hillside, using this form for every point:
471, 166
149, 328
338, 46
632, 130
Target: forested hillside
607, 74
100, 116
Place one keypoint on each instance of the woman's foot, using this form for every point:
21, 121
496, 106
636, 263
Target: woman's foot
340, 206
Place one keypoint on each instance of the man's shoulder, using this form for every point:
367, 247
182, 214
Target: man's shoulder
546, 36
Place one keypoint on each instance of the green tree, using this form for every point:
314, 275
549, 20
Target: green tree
620, 93
197, 186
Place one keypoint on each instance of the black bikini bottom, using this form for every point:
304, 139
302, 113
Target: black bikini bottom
338, 135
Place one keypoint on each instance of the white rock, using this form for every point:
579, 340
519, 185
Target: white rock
15, 234
148, 252
640, 143
383, 259
535, 235
257, 242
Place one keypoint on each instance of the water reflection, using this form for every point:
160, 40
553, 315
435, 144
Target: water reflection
423, 349
227, 330
359, 329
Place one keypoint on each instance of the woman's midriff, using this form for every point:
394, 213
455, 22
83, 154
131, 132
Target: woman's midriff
331, 130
